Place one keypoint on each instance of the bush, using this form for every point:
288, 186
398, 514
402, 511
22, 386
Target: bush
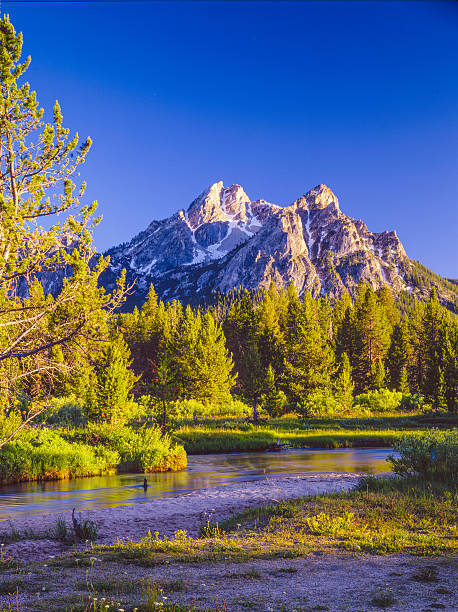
432, 455
414, 402
193, 409
66, 412
9, 423
45, 455
380, 400
144, 450
320, 404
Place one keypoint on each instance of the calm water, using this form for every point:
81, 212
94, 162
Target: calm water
203, 471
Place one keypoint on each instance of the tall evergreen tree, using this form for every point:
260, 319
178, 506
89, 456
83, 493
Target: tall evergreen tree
241, 332
398, 358
109, 401
343, 385
372, 340
214, 365
37, 162
272, 400
309, 361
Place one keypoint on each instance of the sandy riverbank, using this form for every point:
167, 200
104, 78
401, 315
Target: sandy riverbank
165, 515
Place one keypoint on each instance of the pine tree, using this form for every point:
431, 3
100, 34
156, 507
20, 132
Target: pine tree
403, 381
432, 331
450, 350
214, 364
115, 381
272, 400
398, 358
372, 341
241, 331
378, 376
344, 386
270, 338
309, 361
37, 162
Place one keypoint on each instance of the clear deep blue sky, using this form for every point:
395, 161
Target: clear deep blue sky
278, 97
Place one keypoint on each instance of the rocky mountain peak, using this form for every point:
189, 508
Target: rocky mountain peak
318, 198
224, 240
219, 203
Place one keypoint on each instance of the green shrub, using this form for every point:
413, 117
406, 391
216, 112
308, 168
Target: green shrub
45, 455
193, 409
320, 404
381, 400
9, 423
144, 450
66, 412
414, 402
432, 455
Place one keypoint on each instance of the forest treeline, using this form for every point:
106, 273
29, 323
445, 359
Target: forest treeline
274, 352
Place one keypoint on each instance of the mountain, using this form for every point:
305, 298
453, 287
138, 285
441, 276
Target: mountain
224, 241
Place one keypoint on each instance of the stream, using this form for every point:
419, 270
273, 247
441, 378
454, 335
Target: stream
203, 471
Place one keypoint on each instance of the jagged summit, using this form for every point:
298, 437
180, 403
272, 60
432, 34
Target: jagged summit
223, 240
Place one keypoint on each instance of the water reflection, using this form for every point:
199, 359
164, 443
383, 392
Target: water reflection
203, 471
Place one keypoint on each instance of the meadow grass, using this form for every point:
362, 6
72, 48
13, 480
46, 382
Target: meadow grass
232, 435
379, 517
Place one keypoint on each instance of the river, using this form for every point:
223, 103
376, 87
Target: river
203, 471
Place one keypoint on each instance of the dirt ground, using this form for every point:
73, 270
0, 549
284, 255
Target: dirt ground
315, 582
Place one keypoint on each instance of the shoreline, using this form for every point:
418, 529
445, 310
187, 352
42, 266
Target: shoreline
165, 515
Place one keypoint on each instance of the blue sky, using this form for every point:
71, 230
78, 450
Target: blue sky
277, 97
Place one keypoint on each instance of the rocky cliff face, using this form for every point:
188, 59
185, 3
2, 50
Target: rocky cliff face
225, 240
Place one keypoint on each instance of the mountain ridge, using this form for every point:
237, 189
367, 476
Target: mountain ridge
225, 240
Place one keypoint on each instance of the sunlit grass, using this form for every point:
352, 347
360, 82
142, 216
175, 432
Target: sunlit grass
378, 519
231, 435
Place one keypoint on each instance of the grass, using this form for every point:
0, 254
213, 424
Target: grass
396, 516
232, 435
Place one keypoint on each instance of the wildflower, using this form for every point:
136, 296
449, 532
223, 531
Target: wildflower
43, 588
52, 556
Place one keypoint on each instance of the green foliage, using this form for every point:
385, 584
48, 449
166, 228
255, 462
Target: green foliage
46, 455
309, 362
397, 359
343, 385
413, 402
43, 337
66, 412
109, 399
144, 450
432, 455
193, 409
97, 449
320, 404
377, 401
272, 400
